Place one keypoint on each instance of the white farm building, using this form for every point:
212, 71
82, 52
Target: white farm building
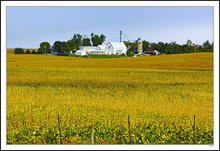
110, 48
116, 48
80, 52
101, 47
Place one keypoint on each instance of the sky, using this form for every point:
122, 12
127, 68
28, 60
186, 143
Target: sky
27, 26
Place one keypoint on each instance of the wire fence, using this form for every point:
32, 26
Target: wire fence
175, 125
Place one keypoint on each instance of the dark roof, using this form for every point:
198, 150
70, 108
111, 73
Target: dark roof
150, 51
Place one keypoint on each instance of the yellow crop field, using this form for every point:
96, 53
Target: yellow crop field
165, 99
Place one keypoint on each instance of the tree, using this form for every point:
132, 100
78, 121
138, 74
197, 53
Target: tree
45, 45
188, 48
130, 53
57, 46
86, 42
189, 43
194, 47
153, 46
101, 39
64, 47
28, 51
33, 52
132, 46
71, 46
160, 47
211, 47
19, 51
206, 45
77, 39
199, 48
97, 40
146, 44
40, 51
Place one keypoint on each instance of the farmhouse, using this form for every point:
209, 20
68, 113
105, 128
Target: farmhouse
152, 52
81, 52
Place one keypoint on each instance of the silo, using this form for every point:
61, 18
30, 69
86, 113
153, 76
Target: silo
140, 46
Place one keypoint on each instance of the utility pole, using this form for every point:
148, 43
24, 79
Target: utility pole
120, 35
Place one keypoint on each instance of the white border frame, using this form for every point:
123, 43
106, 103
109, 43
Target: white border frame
215, 4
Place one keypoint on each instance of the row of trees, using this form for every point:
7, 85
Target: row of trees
170, 48
77, 41
21, 51
95, 40
67, 46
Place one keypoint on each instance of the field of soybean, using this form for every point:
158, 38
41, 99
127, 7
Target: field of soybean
164, 99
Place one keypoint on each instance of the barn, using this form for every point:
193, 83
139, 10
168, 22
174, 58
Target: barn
80, 52
116, 48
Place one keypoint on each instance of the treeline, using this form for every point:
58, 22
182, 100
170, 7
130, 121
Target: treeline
21, 51
68, 46
73, 44
65, 47
170, 48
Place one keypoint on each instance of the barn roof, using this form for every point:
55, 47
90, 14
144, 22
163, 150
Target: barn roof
101, 46
118, 45
80, 50
88, 47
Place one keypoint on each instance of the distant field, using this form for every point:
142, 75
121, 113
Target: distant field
192, 61
161, 95
11, 50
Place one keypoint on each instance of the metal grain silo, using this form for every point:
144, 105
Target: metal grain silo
140, 46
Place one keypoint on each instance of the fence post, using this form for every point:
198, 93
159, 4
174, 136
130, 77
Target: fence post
175, 135
92, 134
59, 129
129, 129
194, 125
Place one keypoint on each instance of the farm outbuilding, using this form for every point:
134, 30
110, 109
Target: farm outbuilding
80, 52
116, 48
88, 48
152, 52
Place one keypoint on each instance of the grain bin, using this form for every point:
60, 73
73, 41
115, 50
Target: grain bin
140, 46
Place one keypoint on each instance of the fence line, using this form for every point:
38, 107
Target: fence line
129, 130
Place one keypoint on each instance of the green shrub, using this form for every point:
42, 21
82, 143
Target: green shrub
33, 52
28, 51
19, 51
40, 51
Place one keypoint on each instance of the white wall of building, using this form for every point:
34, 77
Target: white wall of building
116, 48
80, 52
